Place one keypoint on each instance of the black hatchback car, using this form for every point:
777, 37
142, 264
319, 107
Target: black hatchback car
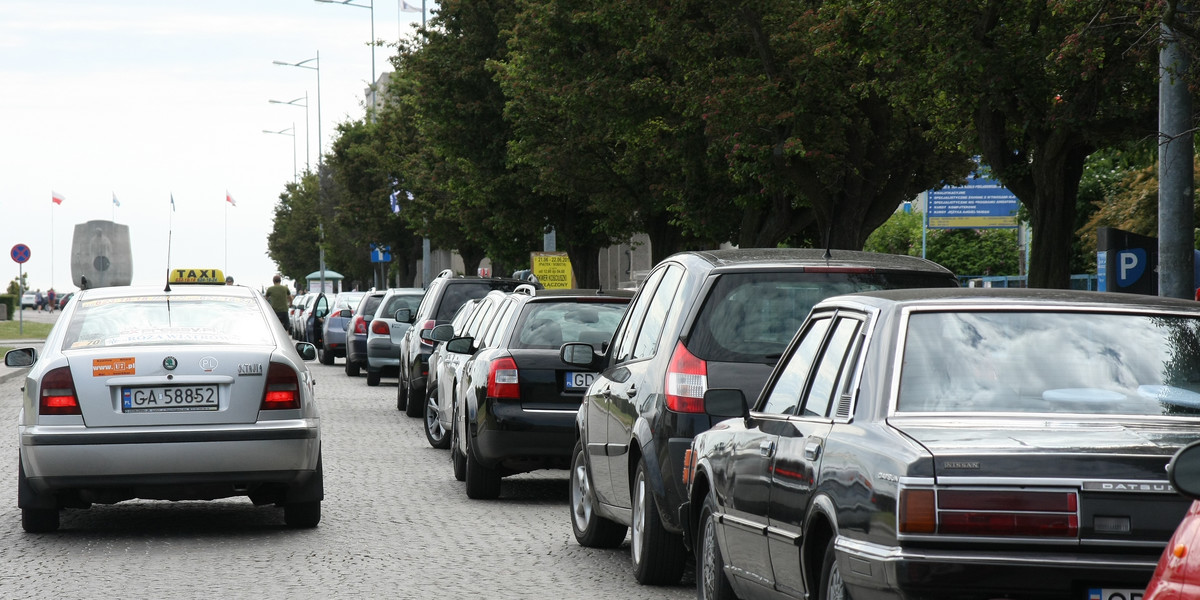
517, 398
701, 319
442, 298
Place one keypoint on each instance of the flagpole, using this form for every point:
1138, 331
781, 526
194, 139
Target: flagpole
51, 245
226, 231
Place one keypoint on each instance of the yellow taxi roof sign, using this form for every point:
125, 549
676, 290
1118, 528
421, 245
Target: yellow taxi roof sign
201, 276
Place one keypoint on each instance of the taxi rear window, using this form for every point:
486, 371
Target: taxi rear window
162, 320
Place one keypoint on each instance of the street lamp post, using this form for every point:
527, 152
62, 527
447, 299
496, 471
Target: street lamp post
307, 163
292, 132
371, 7
320, 147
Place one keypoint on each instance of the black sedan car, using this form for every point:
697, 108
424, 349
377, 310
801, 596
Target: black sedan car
716, 319
952, 444
518, 399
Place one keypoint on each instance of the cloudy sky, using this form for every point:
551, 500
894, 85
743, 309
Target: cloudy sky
145, 99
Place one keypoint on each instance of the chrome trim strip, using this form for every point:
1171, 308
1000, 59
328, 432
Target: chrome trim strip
740, 523
877, 553
786, 537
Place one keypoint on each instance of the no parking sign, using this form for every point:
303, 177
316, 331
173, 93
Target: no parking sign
20, 253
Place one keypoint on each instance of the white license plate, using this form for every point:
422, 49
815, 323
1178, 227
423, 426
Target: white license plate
576, 380
1114, 594
169, 399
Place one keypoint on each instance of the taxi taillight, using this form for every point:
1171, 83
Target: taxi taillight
283, 388
998, 513
360, 325
58, 393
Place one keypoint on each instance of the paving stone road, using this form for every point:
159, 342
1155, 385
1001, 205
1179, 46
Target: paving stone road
394, 524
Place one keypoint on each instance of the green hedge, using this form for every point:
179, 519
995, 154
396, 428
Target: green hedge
11, 301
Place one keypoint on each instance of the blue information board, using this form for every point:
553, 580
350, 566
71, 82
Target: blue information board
981, 204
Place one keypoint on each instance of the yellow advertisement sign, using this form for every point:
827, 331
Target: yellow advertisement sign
553, 270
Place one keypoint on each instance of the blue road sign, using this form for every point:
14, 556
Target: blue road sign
20, 253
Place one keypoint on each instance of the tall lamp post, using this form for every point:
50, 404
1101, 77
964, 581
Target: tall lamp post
371, 7
292, 132
316, 66
307, 164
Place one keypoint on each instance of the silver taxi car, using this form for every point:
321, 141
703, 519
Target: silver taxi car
190, 393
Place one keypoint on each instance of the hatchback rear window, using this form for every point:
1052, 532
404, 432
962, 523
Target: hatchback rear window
751, 317
551, 324
370, 303
399, 301
459, 293
153, 321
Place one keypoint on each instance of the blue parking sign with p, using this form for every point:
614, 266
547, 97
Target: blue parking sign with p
1131, 265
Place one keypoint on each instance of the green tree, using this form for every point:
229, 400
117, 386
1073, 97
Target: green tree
294, 236
1037, 86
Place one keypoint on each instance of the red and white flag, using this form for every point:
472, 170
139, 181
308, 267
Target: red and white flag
229, 198
56, 197
406, 7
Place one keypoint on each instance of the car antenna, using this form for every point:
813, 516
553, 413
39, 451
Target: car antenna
168, 288
829, 233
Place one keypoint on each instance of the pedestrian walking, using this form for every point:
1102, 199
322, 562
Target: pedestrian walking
279, 297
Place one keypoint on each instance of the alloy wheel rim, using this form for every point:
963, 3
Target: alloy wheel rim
581, 497
433, 423
837, 588
639, 518
708, 567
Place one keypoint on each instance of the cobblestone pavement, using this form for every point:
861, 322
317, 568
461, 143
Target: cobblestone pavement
394, 524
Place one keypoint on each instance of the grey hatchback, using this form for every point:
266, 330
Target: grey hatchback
384, 332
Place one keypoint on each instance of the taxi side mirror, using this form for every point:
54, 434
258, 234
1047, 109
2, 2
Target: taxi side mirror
404, 315
725, 403
1183, 470
306, 350
21, 357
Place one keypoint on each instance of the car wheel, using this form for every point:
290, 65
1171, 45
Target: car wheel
658, 555
39, 520
402, 395
711, 581
482, 483
591, 530
413, 409
302, 515
832, 585
325, 356
372, 378
456, 457
434, 432
351, 368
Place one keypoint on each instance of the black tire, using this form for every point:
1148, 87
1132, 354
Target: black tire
591, 530
833, 587
435, 434
351, 368
658, 555
325, 356
372, 378
414, 409
39, 520
302, 515
458, 459
482, 483
402, 395
711, 581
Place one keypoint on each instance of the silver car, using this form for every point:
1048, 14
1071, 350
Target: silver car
193, 393
384, 332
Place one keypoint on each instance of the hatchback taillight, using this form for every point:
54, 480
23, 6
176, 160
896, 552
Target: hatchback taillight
687, 380
360, 325
58, 393
283, 388
995, 513
381, 327
502, 379
430, 324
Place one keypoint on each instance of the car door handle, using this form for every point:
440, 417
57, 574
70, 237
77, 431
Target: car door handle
812, 450
766, 449
632, 391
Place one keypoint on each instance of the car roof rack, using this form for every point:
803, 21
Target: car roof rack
526, 289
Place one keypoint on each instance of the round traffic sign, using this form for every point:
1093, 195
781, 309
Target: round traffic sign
20, 253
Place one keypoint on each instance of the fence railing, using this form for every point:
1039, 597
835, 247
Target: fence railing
1078, 282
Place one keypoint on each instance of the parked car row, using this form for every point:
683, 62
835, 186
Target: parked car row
816, 424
